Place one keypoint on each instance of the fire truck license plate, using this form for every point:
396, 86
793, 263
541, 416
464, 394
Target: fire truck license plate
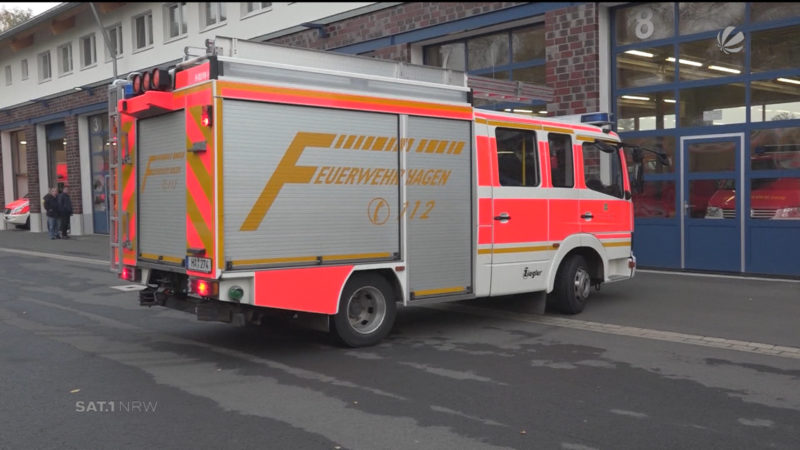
198, 264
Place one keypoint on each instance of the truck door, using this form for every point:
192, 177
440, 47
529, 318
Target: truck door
519, 212
564, 200
604, 210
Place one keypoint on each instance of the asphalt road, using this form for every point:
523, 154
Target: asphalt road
663, 361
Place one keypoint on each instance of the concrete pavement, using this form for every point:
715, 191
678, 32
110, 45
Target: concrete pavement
91, 246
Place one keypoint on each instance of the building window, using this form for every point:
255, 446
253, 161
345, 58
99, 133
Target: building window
88, 51
114, 41
45, 71
212, 13
175, 20
517, 55
517, 157
19, 158
249, 8
65, 59
143, 31
8, 75
24, 69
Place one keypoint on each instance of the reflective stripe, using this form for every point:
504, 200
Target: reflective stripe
449, 290
230, 89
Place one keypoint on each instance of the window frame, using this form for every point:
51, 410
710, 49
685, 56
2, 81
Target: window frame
62, 71
148, 30
262, 8
182, 24
8, 75
24, 69
40, 58
615, 171
93, 40
520, 154
116, 29
220, 11
571, 162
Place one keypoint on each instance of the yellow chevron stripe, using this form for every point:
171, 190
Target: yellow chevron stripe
199, 224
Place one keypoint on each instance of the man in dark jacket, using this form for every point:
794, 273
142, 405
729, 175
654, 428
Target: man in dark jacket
64, 211
51, 208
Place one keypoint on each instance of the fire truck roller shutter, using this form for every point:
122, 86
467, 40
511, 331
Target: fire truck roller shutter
306, 182
439, 208
162, 187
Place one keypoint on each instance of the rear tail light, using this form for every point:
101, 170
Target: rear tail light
206, 116
131, 274
204, 288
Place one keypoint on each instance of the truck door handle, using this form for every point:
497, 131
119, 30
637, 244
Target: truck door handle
587, 216
503, 217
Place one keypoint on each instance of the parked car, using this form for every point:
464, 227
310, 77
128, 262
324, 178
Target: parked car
18, 212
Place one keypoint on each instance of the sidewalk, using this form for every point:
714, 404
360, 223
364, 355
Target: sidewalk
92, 246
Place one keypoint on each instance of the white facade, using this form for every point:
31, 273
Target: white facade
59, 35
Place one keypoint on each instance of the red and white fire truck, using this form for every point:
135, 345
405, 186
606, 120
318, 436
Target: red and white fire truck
259, 178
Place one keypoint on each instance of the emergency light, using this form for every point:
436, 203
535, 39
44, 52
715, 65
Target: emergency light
136, 82
160, 79
146, 84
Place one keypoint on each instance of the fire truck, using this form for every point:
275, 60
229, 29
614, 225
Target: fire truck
258, 179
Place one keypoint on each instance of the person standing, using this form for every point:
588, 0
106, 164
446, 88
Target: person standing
51, 209
64, 211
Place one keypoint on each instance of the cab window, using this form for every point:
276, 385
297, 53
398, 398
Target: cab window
602, 172
561, 159
517, 160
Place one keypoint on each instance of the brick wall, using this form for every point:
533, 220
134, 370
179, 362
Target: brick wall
388, 22
571, 37
64, 103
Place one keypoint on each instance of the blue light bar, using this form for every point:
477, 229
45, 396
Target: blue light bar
598, 118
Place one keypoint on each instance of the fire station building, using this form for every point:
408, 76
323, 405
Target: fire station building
715, 86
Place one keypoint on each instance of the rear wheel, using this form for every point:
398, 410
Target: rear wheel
366, 311
572, 287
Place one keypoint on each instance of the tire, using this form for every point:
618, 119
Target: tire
573, 286
367, 311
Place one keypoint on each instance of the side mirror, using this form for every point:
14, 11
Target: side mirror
637, 183
628, 195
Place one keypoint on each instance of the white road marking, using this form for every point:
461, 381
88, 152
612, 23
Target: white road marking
715, 275
129, 287
54, 256
621, 330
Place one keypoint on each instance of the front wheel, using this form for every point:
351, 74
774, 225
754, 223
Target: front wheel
366, 311
573, 285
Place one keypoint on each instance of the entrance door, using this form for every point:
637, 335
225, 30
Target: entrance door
712, 213
99, 148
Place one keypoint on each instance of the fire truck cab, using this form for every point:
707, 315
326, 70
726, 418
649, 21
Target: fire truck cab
260, 179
